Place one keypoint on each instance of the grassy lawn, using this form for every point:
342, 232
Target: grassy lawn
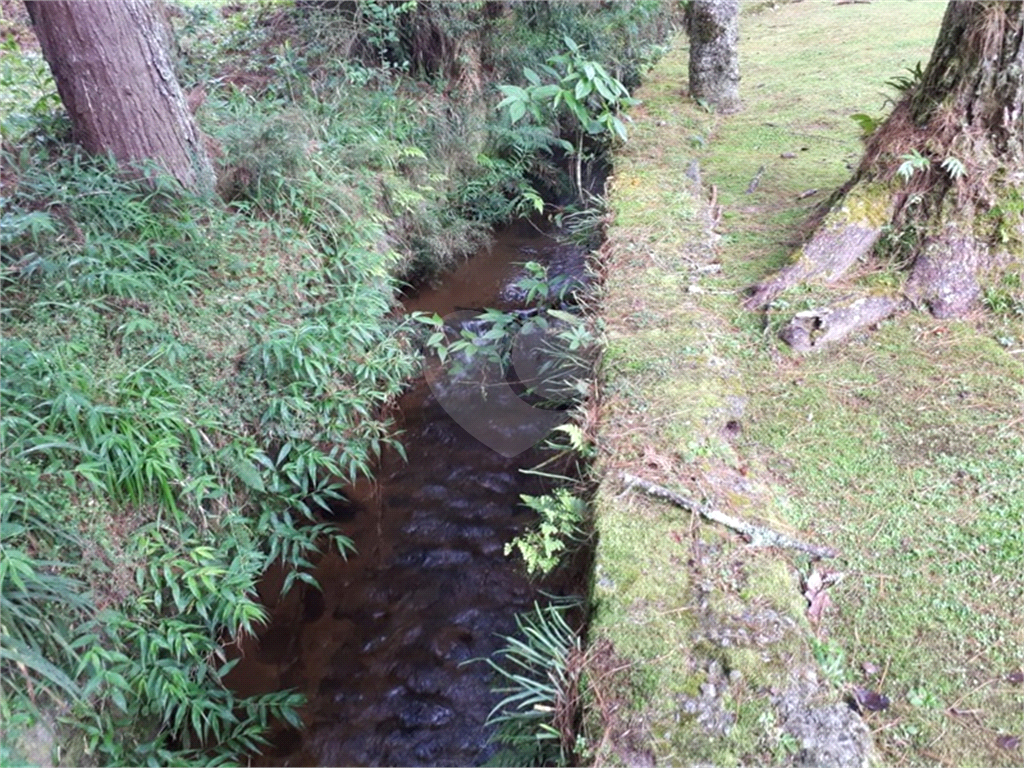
902, 449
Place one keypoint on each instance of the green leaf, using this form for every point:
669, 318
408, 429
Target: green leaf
620, 128
514, 91
603, 89
516, 111
245, 472
545, 92
532, 76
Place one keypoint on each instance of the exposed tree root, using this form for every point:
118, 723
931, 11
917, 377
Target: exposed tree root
817, 328
847, 233
945, 273
829, 254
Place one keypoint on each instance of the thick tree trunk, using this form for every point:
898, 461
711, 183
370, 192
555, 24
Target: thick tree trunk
713, 28
960, 205
111, 65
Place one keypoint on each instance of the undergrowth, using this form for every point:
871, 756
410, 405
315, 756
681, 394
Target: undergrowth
187, 382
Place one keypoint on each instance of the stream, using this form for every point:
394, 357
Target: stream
381, 653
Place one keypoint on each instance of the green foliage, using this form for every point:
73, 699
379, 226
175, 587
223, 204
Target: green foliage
1005, 298
913, 162
574, 86
868, 125
562, 516
907, 83
35, 641
565, 342
578, 443
627, 36
831, 660
383, 26
188, 392
28, 96
954, 167
185, 385
539, 671
503, 189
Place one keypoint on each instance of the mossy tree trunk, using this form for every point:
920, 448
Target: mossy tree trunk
112, 68
713, 29
943, 176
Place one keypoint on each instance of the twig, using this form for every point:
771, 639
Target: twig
755, 181
759, 536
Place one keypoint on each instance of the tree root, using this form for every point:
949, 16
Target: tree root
848, 232
944, 173
829, 254
817, 328
759, 536
945, 273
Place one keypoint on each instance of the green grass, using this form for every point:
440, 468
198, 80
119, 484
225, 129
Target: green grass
901, 449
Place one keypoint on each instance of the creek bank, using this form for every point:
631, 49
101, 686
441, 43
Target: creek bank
709, 655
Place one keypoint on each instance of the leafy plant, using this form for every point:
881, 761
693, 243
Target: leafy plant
561, 522
831, 660
28, 95
954, 167
577, 86
578, 440
907, 83
540, 673
913, 162
868, 125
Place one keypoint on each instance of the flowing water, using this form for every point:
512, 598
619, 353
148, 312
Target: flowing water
384, 654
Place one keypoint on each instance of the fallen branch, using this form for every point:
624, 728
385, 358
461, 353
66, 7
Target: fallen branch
752, 187
759, 536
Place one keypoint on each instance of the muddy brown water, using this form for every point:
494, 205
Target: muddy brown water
381, 654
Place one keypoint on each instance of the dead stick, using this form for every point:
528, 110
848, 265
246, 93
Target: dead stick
759, 536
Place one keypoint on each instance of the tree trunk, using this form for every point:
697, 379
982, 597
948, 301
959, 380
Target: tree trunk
111, 65
713, 28
944, 172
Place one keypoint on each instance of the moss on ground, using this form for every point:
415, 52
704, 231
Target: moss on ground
902, 449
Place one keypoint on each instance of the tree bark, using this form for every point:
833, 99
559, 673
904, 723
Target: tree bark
114, 75
713, 28
961, 208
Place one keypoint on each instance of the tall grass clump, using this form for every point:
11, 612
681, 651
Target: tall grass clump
539, 672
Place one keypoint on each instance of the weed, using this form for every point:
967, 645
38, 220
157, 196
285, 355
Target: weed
831, 660
913, 162
540, 673
561, 519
